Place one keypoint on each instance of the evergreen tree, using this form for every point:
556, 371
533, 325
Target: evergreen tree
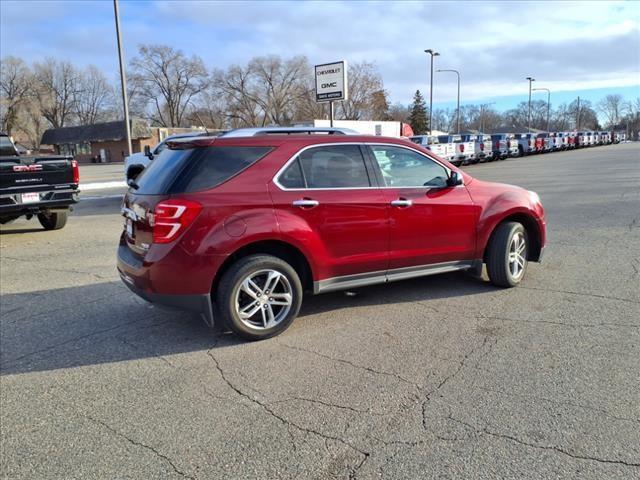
418, 116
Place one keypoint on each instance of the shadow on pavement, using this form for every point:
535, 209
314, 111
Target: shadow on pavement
104, 322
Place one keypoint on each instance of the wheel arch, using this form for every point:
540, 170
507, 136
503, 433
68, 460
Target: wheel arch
278, 248
533, 233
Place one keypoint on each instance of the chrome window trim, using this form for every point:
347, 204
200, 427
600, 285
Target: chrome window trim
276, 177
384, 276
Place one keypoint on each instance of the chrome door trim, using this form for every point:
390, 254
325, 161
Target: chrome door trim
372, 278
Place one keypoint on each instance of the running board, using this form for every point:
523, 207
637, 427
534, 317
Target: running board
372, 278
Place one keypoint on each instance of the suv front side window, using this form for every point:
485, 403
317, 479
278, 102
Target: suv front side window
327, 167
401, 167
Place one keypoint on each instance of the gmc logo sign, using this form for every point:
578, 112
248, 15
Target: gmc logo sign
27, 168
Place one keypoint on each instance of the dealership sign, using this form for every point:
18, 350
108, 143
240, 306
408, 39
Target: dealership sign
331, 82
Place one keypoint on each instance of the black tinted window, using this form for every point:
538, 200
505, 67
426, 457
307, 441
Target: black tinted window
193, 169
401, 167
334, 166
292, 176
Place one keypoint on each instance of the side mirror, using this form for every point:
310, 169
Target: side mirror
455, 179
147, 152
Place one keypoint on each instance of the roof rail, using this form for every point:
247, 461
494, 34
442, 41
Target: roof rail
253, 132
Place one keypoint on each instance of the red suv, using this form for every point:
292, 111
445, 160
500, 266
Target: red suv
243, 224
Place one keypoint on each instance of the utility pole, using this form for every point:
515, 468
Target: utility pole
548, 104
529, 114
457, 109
123, 78
482, 109
433, 54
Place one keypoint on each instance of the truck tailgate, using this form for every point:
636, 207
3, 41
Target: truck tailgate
34, 172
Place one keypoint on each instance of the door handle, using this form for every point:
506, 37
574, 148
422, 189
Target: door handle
306, 203
401, 203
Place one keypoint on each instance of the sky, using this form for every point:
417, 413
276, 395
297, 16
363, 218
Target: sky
584, 48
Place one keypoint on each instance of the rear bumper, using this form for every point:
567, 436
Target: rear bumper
11, 203
137, 277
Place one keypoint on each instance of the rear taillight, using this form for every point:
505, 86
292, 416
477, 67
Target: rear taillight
482, 147
171, 218
76, 171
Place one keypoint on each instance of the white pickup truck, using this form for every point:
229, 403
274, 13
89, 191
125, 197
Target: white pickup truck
464, 151
446, 151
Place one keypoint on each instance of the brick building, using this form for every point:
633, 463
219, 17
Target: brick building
105, 142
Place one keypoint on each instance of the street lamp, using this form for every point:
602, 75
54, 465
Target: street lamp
433, 54
529, 114
123, 77
548, 103
458, 109
482, 109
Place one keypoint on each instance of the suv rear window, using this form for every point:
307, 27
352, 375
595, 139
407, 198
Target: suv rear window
193, 169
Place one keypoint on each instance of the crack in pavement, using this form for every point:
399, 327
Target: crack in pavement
140, 444
11, 362
286, 422
568, 325
326, 404
594, 295
354, 365
49, 312
554, 448
60, 270
446, 379
559, 402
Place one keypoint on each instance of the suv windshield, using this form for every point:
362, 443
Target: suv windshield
193, 169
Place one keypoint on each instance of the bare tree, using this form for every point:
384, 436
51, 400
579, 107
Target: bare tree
611, 107
399, 113
243, 108
169, 80
16, 86
32, 124
92, 97
56, 88
364, 81
277, 85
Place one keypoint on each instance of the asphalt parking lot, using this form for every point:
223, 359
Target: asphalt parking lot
441, 377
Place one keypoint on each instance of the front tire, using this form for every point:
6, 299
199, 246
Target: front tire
53, 220
259, 296
507, 254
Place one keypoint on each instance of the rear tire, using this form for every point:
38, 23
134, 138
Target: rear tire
507, 254
53, 220
259, 296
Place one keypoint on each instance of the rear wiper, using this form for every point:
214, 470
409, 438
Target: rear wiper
132, 183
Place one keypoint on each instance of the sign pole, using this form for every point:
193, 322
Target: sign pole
331, 114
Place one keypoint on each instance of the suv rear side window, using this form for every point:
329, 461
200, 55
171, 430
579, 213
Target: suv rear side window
401, 167
331, 166
193, 169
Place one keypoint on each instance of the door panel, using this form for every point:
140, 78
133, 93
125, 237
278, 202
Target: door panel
325, 201
439, 226
429, 221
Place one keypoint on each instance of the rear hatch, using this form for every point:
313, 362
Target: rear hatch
155, 207
35, 173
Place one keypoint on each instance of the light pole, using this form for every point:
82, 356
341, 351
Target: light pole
548, 103
123, 78
529, 114
433, 54
458, 109
482, 108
